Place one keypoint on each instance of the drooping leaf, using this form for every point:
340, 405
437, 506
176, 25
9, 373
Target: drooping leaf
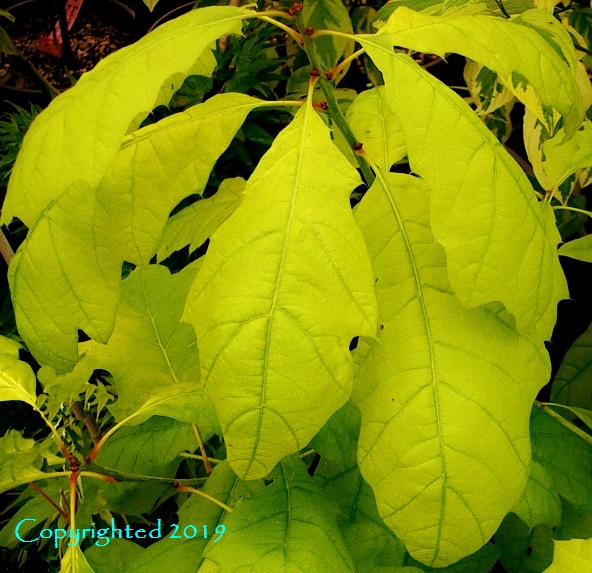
65, 278
150, 350
377, 127
175, 155
540, 502
301, 290
566, 456
20, 460
580, 249
287, 526
573, 556
78, 135
74, 561
150, 4
532, 54
435, 434
492, 254
195, 224
573, 382
17, 381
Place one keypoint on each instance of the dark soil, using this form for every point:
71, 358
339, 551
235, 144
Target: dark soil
92, 38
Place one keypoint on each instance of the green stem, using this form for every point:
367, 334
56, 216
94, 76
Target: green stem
219, 503
502, 8
565, 423
332, 104
566, 208
290, 31
97, 471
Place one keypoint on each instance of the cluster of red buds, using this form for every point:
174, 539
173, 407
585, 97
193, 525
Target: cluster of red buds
295, 8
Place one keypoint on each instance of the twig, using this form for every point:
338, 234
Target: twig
5, 248
88, 420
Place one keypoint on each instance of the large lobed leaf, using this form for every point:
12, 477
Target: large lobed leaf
447, 459
66, 275
532, 54
501, 245
285, 285
79, 134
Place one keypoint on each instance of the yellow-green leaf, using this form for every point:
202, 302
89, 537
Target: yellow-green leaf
80, 132
195, 224
532, 54
501, 244
17, 381
446, 458
573, 556
301, 289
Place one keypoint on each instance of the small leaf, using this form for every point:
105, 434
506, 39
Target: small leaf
17, 381
195, 224
580, 249
150, 4
573, 383
377, 127
523, 549
74, 561
19, 460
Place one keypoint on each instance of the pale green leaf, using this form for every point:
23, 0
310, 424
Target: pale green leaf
302, 288
63, 278
79, 134
150, 350
195, 224
74, 561
573, 383
161, 164
377, 127
540, 503
501, 245
566, 457
17, 381
287, 526
573, 556
435, 434
20, 459
532, 54
580, 249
